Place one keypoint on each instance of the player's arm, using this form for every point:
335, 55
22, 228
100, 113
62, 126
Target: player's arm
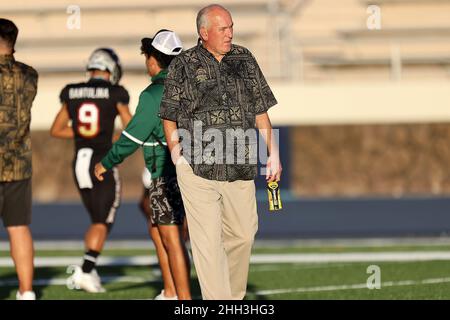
134, 135
120, 150
273, 167
124, 114
61, 125
125, 117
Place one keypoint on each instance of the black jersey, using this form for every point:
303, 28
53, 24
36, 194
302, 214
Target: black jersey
92, 108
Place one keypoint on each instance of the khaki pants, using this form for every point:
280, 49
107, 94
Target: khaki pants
222, 222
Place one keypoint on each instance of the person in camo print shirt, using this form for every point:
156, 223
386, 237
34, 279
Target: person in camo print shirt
18, 87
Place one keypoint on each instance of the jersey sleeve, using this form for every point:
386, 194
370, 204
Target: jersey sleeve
64, 95
121, 95
121, 149
136, 133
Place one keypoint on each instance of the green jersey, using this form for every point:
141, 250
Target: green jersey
145, 130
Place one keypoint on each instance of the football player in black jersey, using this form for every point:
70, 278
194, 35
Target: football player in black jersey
87, 115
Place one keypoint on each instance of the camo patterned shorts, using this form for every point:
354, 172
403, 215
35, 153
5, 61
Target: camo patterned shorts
165, 201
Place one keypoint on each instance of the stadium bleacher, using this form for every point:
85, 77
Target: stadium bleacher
304, 47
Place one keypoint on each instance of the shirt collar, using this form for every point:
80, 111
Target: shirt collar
202, 49
161, 75
7, 59
97, 79
208, 54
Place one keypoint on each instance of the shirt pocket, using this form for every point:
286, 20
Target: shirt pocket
207, 95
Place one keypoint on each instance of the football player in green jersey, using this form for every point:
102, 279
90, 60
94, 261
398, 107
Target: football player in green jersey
145, 130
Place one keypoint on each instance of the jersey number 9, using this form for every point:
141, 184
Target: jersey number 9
88, 120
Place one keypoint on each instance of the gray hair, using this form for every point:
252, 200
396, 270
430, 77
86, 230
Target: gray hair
202, 20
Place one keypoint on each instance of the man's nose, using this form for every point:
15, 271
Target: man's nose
229, 33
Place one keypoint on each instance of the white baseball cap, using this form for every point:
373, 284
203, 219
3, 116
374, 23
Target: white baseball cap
167, 42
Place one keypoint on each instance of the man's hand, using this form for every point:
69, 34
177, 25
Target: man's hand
273, 168
175, 154
99, 171
116, 136
172, 138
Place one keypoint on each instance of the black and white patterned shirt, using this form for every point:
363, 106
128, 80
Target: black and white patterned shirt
214, 101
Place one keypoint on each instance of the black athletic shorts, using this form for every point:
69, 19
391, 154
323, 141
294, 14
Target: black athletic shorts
165, 201
15, 203
100, 198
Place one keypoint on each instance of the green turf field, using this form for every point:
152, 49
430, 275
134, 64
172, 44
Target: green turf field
427, 279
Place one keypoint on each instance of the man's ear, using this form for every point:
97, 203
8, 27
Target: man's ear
203, 33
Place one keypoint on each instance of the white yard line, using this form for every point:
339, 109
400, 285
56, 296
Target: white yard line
351, 286
79, 245
351, 257
255, 259
259, 243
103, 261
306, 266
134, 279
63, 281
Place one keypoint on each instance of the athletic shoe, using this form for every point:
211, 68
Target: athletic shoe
89, 282
96, 277
161, 296
27, 295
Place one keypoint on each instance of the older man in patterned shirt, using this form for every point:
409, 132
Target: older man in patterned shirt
215, 98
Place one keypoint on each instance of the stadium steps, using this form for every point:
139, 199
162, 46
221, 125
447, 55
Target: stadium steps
50, 7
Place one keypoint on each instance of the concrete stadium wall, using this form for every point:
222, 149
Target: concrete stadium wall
324, 104
388, 160
353, 140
